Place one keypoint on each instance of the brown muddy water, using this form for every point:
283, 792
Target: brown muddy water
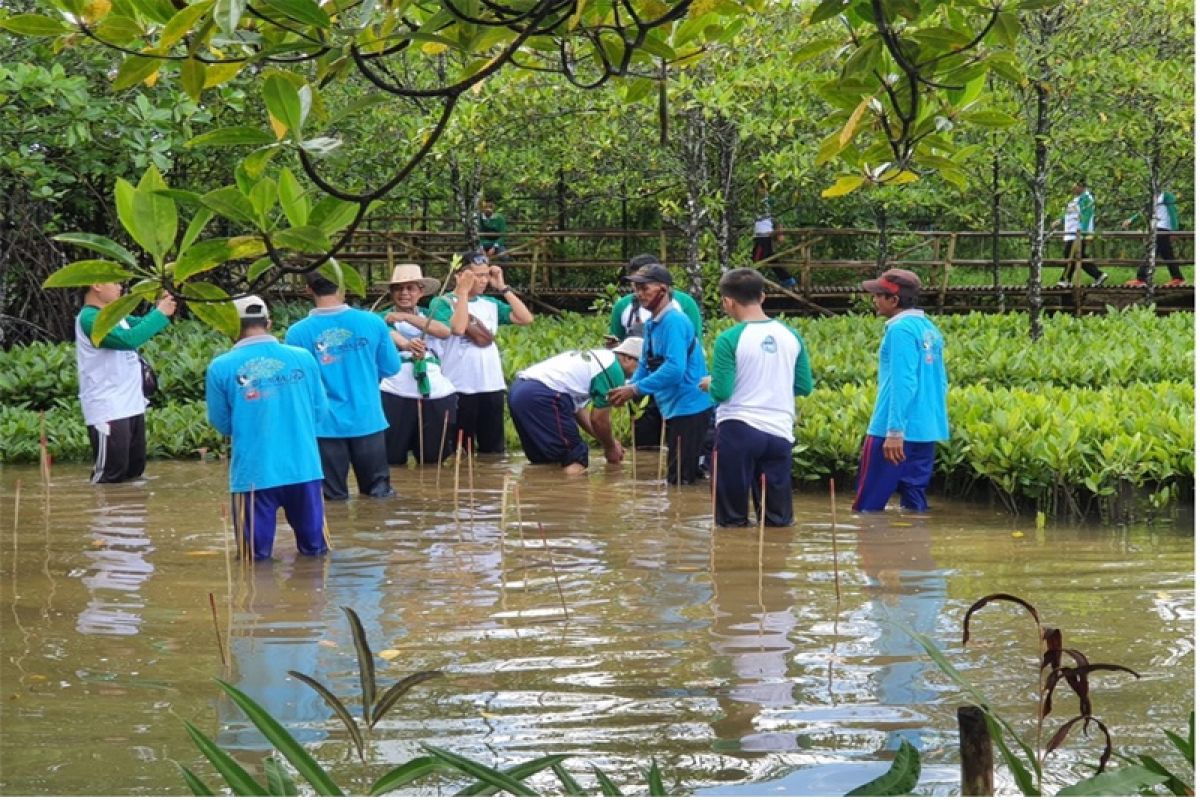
629, 631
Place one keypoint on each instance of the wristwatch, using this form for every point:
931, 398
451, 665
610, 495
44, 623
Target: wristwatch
504, 290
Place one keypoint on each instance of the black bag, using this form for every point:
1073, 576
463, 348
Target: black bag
149, 378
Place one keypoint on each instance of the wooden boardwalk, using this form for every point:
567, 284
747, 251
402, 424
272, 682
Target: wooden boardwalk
569, 270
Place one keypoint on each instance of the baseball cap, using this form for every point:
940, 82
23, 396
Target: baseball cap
631, 347
251, 307
650, 273
894, 281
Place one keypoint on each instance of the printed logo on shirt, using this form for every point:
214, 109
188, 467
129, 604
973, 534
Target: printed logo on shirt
258, 375
769, 345
927, 346
336, 341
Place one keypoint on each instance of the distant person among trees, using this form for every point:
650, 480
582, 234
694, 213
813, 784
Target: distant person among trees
269, 398
549, 404
764, 242
419, 401
470, 358
492, 227
354, 352
1079, 222
910, 415
110, 383
629, 318
760, 366
670, 370
1166, 222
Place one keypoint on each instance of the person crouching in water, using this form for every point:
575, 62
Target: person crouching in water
759, 367
418, 401
546, 396
270, 398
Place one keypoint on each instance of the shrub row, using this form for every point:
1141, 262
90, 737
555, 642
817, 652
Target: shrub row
1121, 348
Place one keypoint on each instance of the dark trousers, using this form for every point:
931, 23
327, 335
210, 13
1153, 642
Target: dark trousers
545, 421
367, 454
408, 427
1164, 253
685, 440
254, 517
764, 248
481, 420
120, 454
745, 455
647, 428
879, 479
1088, 265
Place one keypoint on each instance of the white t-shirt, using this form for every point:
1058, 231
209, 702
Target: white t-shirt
404, 383
472, 369
764, 226
110, 381
765, 354
574, 373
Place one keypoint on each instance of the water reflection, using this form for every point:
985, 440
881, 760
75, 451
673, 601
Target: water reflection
117, 568
752, 620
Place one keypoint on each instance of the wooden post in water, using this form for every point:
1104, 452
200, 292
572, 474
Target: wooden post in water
975, 750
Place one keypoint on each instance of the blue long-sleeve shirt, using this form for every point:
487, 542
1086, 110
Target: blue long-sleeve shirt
911, 398
676, 384
268, 397
354, 352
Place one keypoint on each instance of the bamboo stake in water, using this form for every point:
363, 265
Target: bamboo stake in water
837, 583
679, 462
44, 450
471, 478
16, 509
716, 463
212, 603
762, 531
442, 445
457, 464
420, 432
633, 439
662, 454
225, 541
554, 571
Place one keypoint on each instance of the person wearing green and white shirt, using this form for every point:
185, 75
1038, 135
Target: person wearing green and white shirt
759, 367
1166, 222
419, 401
470, 358
1079, 222
110, 383
549, 404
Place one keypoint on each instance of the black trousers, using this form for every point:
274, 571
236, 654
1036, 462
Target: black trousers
647, 429
746, 458
1164, 252
481, 419
685, 440
407, 428
1089, 266
120, 454
764, 248
368, 456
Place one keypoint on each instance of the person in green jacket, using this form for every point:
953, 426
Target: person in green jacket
629, 319
1166, 222
492, 227
1079, 221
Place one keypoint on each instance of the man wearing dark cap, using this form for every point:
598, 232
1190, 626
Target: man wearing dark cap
670, 369
629, 318
910, 405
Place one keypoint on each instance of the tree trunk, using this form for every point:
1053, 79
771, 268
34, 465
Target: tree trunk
727, 151
996, 285
881, 243
466, 197
695, 167
1154, 169
1037, 237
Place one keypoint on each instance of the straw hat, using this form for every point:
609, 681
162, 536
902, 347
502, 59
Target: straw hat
410, 273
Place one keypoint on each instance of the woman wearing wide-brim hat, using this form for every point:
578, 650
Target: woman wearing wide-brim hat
420, 403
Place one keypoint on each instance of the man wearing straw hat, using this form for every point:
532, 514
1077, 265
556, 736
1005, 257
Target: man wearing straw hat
418, 401
269, 397
354, 352
549, 398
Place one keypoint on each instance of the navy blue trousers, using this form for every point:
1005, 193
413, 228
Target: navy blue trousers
744, 455
254, 517
545, 421
879, 479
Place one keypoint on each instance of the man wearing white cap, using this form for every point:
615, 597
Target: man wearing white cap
269, 397
419, 401
549, 403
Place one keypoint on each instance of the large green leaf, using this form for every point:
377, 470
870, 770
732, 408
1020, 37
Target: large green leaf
900, 779
86, 273
216, 310
283, 103
346, 277
101, 244
232, 137
292, 199
1120, 783
183, 20
195, 227
989, 119
201, 257
262, 198
283, 741
134, 70
331, 214
481, 772
34, 25
405, 774
238, 779
155, 220
111, 315
305, 239
305, 11
230, 203
227, 14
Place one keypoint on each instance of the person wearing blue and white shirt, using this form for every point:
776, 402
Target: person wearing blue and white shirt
910, 415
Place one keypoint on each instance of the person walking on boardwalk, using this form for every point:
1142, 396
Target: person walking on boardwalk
629, 318
670, 370
549, 404
470, 357
1079, 221
1166, 222
419, 401
269, 398
354, 352
910, 415
110, 383
760, 366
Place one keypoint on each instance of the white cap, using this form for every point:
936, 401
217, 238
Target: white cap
631, 347
251, 307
